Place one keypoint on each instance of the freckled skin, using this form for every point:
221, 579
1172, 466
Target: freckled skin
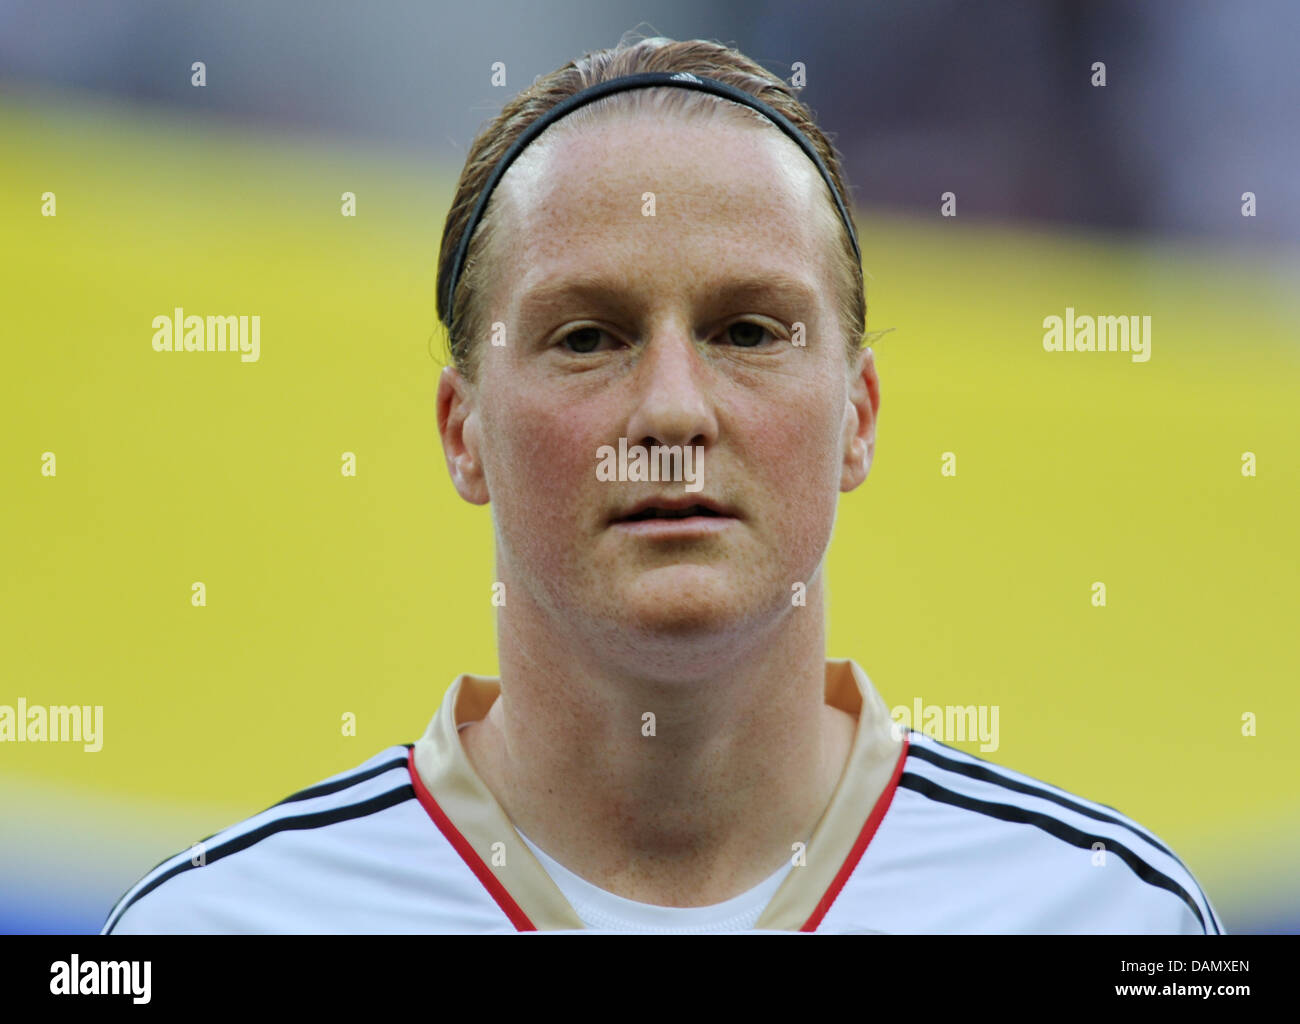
600, 625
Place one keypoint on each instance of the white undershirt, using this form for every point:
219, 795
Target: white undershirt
604, 911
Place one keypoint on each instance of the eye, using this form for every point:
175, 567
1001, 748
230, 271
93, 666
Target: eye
748, 334
583, 340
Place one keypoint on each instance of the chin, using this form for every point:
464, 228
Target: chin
684, 601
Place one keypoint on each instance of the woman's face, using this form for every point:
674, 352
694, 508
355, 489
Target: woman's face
649, 275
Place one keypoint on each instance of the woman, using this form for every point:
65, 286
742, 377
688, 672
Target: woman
655, 304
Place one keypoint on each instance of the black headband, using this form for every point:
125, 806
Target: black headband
643, 80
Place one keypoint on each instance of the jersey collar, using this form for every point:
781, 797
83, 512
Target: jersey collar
469, 816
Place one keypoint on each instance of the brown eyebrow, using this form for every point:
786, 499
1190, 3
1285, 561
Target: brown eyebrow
785, 288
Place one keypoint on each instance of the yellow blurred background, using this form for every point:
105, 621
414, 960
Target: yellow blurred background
329, 595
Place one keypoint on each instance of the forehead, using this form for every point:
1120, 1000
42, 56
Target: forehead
661, 201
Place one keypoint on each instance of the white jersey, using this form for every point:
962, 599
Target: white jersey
918, 838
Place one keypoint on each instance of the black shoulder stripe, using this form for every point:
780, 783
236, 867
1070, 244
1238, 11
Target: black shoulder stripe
325, 788
979, 771
318, 819
975, 771
1059, 829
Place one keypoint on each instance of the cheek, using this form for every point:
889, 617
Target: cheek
795, 460
799, 441
540, 470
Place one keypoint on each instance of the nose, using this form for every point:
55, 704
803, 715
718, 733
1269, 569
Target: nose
671, 383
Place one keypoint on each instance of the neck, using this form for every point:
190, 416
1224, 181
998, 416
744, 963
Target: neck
680, 789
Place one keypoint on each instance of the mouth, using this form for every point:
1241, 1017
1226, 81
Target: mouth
675, 518
657, 512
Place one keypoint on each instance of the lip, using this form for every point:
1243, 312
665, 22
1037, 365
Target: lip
674, 504
675, 529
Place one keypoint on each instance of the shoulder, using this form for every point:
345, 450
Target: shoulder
281, 870
990, 849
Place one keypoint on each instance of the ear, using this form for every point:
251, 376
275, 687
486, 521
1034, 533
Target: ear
860, 413
458, 426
